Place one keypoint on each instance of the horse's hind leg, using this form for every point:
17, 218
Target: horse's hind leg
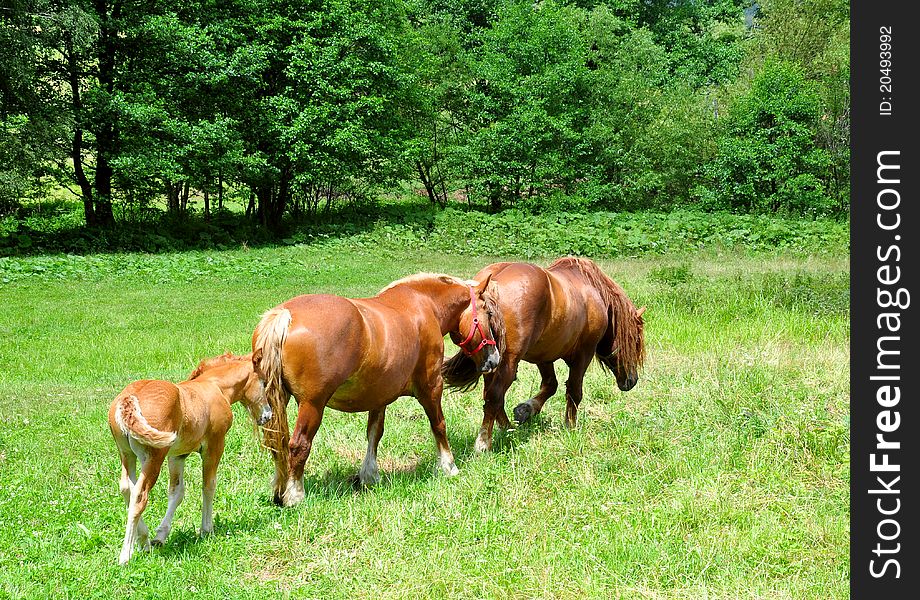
574, 387
548, 386
176, 494
431, 402
128, 469
309, 417
138, 502
369, 473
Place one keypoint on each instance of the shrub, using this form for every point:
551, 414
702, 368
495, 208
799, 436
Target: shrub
768, 159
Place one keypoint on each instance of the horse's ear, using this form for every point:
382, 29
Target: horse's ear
640, 311
484, 284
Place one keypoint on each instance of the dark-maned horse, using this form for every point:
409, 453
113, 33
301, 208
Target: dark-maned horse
570, 311
359, 355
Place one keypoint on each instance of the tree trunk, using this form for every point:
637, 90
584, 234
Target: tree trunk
184, 203
107, 134
220, 190
424, 174
329, 197
76, 148
264, 194
495, 197
207, 204
172, 197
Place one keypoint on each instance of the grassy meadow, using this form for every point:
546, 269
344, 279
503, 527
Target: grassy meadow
723, 474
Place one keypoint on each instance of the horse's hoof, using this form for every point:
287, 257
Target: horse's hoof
451, 470
482, 445
369, 479
158, 543
293, 493
523, 412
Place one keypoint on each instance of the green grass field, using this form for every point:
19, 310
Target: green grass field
723, 474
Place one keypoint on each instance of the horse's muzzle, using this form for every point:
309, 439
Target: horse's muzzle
266, 415
490, 363
629, 383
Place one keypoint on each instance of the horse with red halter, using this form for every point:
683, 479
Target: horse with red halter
570, 311
358, 355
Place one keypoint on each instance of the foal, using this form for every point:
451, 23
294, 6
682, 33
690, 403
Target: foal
154, 420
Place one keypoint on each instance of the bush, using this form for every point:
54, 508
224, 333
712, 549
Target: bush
768, 158
421, 227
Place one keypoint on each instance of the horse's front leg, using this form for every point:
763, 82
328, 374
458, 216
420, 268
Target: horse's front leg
430, 399
210, 458
574, 386
309, 416
493, 408
548, 386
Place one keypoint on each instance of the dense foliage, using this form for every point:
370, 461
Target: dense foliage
294, 107
402, 226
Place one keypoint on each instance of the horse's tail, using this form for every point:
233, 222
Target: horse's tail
460, 372
267, 345
132, 423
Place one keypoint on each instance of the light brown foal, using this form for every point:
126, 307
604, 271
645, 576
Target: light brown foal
358, 355
154, 420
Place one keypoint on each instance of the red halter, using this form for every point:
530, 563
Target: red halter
477, 326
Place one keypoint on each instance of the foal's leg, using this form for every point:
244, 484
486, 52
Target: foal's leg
130, 452
369, 474
309, 417
430, 400
138, 501
176, 494
548, 386
210, 457
493, 408
128, 473
574, 386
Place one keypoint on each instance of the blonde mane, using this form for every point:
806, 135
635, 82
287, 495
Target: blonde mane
216, 361
420, 277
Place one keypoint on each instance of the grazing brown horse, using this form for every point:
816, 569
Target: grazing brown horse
152, 420
570, 311
358, 355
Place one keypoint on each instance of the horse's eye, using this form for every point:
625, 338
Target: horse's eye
489, 312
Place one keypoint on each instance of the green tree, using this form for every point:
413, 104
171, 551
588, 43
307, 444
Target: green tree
28, 125
768, 157
527, 110
814, 34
